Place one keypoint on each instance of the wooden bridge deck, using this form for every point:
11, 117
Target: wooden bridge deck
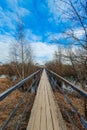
45, 114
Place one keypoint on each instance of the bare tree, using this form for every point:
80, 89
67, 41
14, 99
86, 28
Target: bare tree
76, 13
58, 55
21, 51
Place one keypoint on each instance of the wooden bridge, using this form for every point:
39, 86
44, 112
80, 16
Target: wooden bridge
45, 114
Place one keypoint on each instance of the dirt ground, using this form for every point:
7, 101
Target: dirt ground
78, 102
9, 103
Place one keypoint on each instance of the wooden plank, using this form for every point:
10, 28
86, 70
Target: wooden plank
38, 115
48, 112
44, 114
53, 113
37, 123
34, 110
54, 110
43, 108
38, 109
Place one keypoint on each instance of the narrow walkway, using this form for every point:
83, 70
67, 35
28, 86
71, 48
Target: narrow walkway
45, 114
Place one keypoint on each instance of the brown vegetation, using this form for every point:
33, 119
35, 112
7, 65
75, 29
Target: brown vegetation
63, 70
10, 69
64, 107
9, 103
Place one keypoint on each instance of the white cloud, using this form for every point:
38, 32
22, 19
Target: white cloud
32, 37
8, 18
19, 10
5, 43
58, 9
4, 51
43, 52
77, 32
55, 36
22, 11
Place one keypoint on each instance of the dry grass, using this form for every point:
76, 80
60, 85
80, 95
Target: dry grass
9, 103
5, 83
79, 105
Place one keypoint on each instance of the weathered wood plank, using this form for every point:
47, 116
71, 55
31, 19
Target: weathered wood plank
32, 121
43, 109
44, 115
48, 112
56, 114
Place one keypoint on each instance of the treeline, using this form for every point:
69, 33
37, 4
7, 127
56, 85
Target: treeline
70, 63
11, 70
63, 70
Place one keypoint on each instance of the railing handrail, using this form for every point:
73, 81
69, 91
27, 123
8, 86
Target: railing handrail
18, 85
81, 92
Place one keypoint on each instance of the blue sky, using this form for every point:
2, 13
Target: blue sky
43, 22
